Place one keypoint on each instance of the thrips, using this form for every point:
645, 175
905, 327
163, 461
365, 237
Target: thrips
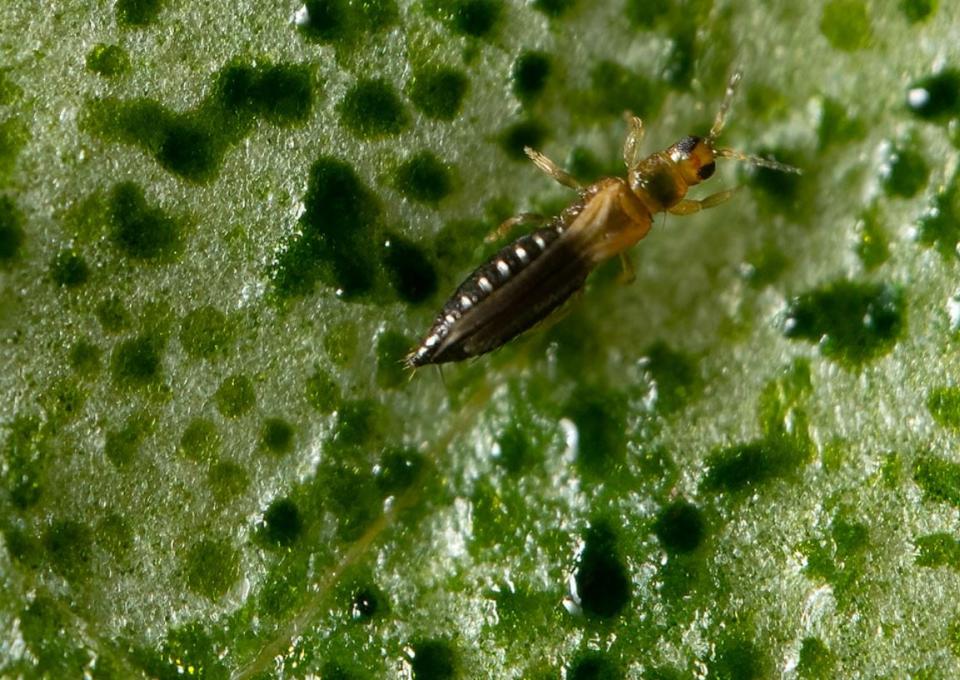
531, 277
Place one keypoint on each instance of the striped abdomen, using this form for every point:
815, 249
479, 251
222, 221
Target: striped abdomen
511, 292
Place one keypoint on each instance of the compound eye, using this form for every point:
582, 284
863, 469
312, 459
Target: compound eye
706, 171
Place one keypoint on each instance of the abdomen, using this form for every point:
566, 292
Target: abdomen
514, 290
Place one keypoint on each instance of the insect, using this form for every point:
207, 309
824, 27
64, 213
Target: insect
532, 276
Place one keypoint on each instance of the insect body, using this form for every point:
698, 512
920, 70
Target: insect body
529, 278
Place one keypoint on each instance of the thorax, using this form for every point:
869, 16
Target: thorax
609, 219
657, 182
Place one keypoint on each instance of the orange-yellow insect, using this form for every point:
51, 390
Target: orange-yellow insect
528, 279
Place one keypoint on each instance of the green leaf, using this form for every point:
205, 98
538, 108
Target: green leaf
222, 227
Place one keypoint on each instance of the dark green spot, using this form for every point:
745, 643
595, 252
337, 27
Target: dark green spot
85, 357
57, 655
137, 361
917, 10
680, 527
347, 23
409, 270
137, 13
123, 446
616, 89
9, 90
938, 550
114, 535
905, 173
603, 582
764, 266
531, 71
108, 61
352, 496
553, 8
205, 333
372, 108
595, 666
944, 405
358, 422
192, 144
282, 522
376, 15
741, 467
434, 660
423, 177
211, 568
227, 481
816, 661
514, 450
736, 658
846, 25
585, 165
235, 396
851, 322
935, 97
63, 401
938, 478
112, 315
600, 418
475, 18
438, 92
322, 392
339, 240
276, 436
674, 375
366, 603
282, 94
645, 14
340, 342
139, 230
682, 60
779, 190
23, 452
190, 149
11, 230
398, 470
392, 347
14, 135
891, 470
515, 137
327, 20
837, 126
940, 225
849, 537
187, 651
872, 246
69, 269
69, 545
200, 441
841, 559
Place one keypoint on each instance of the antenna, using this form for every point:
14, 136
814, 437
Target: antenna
759, 161
733, 154
725, 106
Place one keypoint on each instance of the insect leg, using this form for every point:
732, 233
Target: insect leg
688, 206
510, 223
631, 145
552, 169
627, 274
